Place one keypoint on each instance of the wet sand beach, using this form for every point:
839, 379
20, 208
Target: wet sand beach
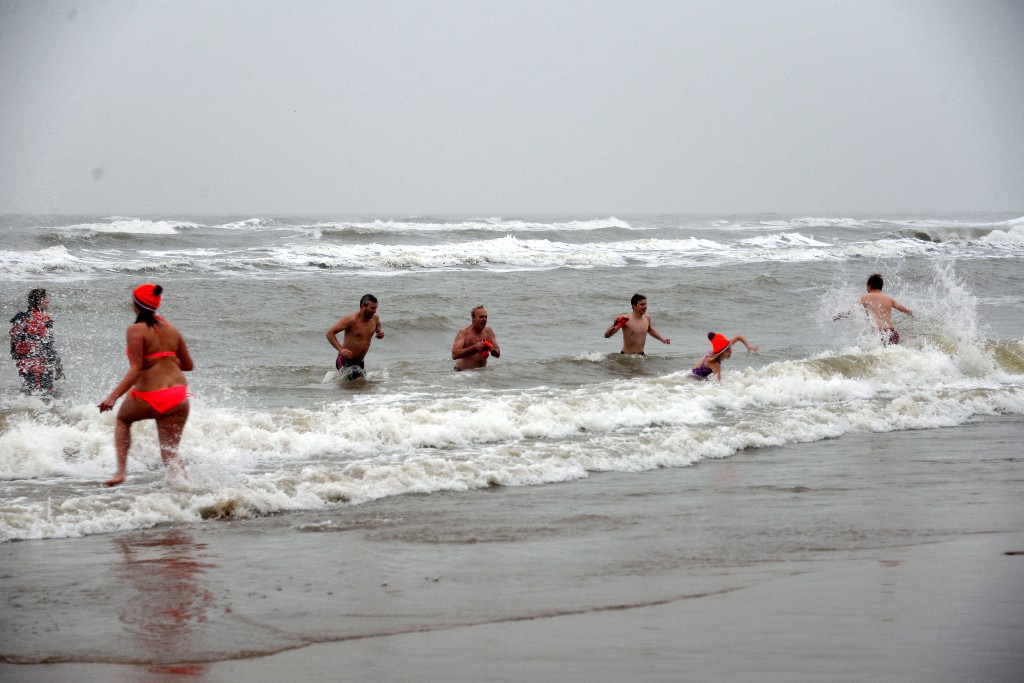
874, 557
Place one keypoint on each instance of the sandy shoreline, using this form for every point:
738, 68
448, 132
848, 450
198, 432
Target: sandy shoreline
869, 619
865, 620
875, 557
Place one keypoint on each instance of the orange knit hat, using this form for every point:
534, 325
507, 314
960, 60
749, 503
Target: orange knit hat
147, 296
719, 343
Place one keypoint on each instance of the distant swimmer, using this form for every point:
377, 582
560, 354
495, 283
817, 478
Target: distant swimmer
878, 307
359, 328
635, 327
474, 343
32, 345
721, 349
157, 360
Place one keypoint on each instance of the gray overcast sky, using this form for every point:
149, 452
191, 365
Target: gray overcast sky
511, 107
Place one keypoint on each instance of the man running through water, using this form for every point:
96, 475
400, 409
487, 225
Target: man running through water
635, 327
359, 328
879, 307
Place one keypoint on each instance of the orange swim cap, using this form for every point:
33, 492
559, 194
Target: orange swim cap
147, 296
719, 343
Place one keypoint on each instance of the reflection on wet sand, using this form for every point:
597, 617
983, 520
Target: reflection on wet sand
167, 616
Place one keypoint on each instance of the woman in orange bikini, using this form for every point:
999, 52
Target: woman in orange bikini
157, 359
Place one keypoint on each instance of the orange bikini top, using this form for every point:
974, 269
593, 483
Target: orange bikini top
158, 354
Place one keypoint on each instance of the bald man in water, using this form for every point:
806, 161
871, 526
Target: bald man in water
475, 343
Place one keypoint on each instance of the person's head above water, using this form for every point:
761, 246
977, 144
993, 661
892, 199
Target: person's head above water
368, 306
875, 282
147, 297
478, 318
35, 299
719, 343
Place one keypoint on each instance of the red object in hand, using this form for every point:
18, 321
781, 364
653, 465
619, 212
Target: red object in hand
621, 320
488, 346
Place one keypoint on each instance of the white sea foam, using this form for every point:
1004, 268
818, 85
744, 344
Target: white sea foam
812, 222
253, 224
488, 225
455, 432
258, 462
518, 253
508, 252
933, 227
133, 226
16, 265
1014, 237
785, 239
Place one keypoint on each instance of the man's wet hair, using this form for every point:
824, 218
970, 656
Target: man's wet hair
637, 298
875, 281
367, 299
472, 314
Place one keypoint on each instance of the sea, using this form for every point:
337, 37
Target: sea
273, 432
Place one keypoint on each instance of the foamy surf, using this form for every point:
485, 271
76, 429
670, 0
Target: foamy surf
267, 434
133, 226
264, 246
250, 463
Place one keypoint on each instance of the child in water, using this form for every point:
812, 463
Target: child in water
721, 348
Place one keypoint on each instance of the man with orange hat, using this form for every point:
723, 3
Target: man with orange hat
635, 327
359, 328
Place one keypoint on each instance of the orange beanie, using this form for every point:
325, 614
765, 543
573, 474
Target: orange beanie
147, 296
719, 342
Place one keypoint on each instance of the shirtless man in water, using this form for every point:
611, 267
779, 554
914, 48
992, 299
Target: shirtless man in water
879, 307
359, 328
635, 327
473, 344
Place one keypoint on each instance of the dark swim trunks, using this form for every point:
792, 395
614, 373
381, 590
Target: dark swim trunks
350, 369
890, 336
623, 353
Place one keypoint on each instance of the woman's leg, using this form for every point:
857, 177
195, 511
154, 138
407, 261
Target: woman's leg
169, 427
132, 410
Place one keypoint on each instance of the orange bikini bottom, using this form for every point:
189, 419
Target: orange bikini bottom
162, 400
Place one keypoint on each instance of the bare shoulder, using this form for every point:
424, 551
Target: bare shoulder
346, 320
135, 330
166, 325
